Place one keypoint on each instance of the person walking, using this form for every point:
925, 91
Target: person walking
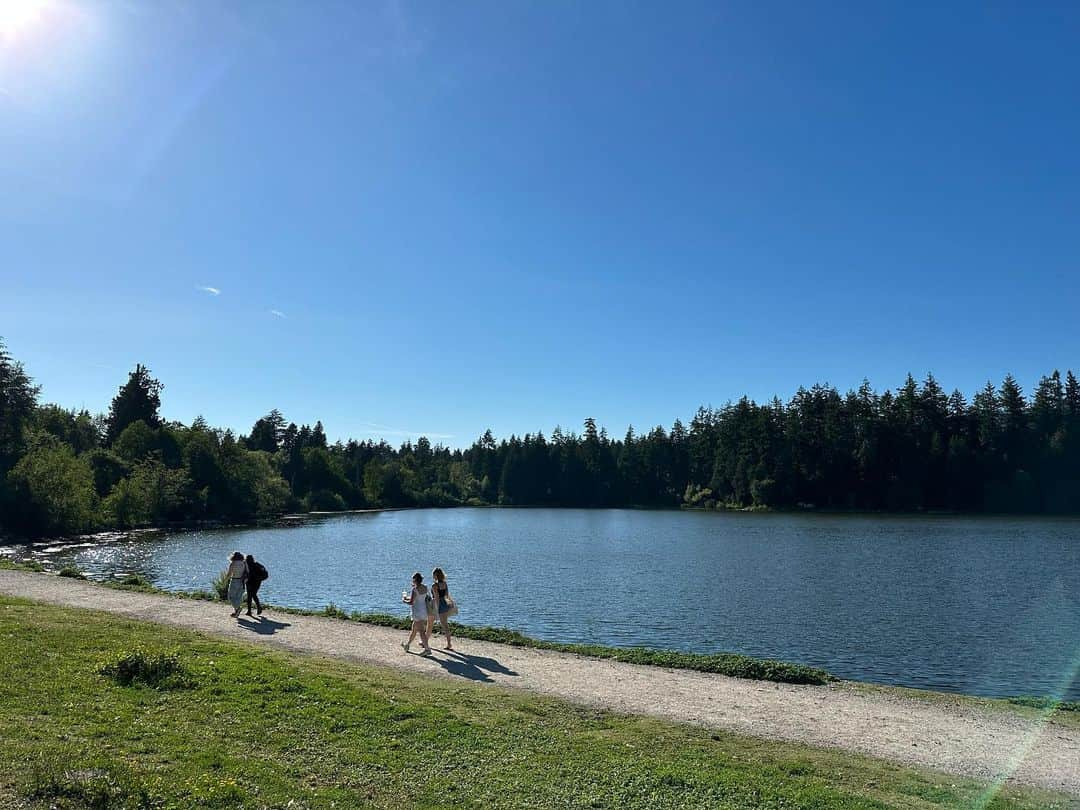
257, 575
237, 574
417, 600
443, 607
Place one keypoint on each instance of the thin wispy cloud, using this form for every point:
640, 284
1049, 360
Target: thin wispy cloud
210, 290
277, 313
375, 429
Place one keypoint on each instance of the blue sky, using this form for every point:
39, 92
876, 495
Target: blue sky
516, 215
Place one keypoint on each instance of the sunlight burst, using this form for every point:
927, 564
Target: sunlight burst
18, 15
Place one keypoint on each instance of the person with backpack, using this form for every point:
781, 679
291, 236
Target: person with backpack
257, 575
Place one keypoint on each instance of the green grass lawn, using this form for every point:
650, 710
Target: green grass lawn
246, 727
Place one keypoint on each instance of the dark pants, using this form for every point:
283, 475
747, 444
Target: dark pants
253, 593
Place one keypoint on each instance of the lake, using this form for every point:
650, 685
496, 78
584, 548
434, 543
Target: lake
986, 606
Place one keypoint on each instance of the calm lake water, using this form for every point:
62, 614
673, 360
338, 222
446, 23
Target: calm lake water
987, 606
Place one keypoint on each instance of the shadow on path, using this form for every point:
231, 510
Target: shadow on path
462, 668
262, 626
481, 662
473, 667
477, 662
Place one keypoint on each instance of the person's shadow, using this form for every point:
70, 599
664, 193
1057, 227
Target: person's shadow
462, 669
473, 667
262, 626
482, 662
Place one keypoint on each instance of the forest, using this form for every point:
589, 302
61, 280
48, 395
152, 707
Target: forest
916, 448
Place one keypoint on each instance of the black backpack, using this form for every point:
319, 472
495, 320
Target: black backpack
261, 574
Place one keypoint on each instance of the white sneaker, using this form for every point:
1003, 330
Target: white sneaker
426, 652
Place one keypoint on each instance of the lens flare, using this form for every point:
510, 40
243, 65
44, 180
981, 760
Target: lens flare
17, 16
1068, 677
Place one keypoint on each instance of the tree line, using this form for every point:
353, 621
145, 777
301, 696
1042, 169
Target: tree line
916, 448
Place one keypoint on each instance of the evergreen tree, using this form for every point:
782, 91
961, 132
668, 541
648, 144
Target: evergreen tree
1014, 415
267, 432
139, 399
1072, 396
18, 398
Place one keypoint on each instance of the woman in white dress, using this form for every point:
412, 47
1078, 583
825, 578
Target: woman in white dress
417, 601
237, 577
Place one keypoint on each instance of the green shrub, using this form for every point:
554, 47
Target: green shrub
29, 565
334, 612
1046, 703
151, 494
219, 585
53, 783
71, 571
203, 595
157, 669
323, 500
51, 492
764, 491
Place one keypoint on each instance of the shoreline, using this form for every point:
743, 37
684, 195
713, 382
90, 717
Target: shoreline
980, 738
640, 656
730, 664
294, 518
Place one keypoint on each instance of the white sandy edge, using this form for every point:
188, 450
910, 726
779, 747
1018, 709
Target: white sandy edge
963, 737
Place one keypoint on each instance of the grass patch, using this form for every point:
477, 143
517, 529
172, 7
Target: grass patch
131, 582
71, 572
1046, 703
12, 565
55, 785
263, 728
158, 669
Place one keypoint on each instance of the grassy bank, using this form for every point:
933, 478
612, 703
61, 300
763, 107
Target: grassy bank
227, 725
730, 664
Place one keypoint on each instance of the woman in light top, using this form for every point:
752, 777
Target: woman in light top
440, 607
237, 572
417, 600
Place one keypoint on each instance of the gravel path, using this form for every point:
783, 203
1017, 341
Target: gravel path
952, 735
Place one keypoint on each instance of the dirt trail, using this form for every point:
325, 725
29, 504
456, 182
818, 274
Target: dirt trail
955, 736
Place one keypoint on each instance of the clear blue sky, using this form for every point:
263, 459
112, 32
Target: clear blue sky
513, 215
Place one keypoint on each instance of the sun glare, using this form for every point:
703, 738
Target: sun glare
17, 16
